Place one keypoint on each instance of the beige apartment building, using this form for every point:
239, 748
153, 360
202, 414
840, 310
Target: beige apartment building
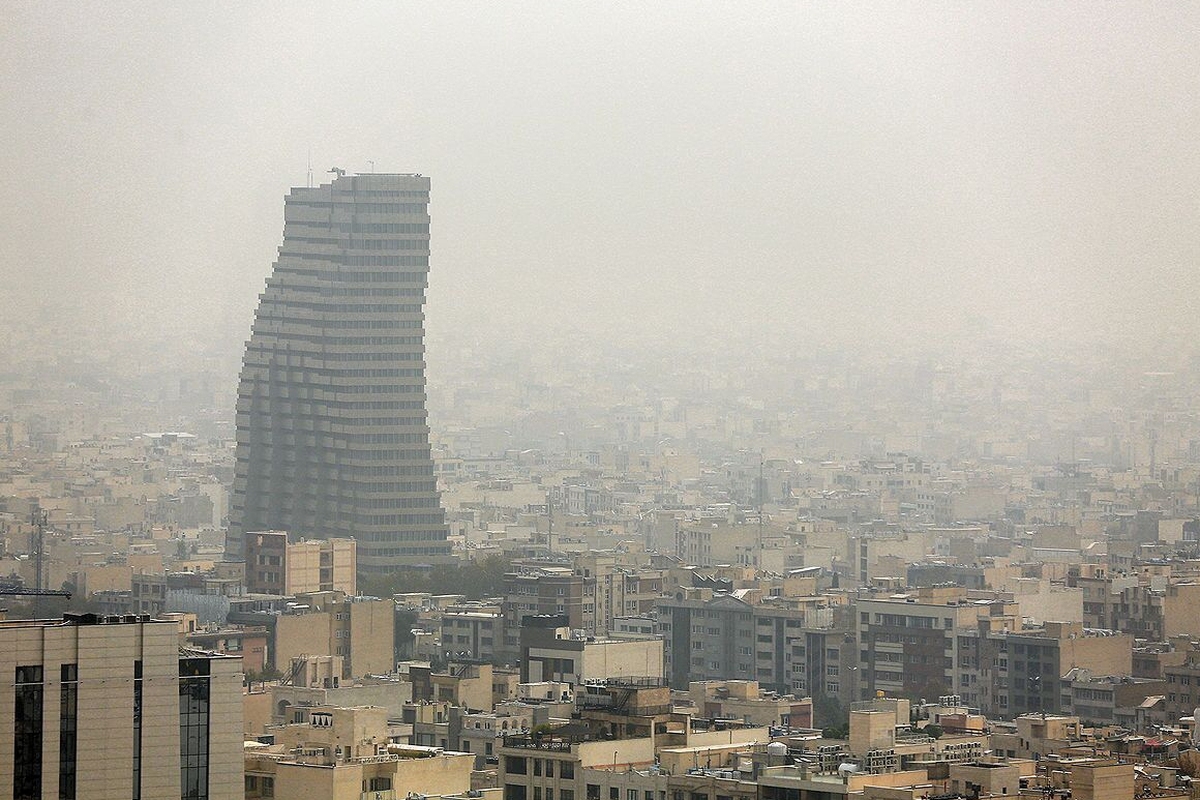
746, 701
551, 652
360, 629
332, 753
111, 708
275, 565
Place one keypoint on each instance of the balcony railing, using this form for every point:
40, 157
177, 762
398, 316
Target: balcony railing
557, 743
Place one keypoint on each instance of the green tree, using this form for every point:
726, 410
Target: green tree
828, 711
475, 579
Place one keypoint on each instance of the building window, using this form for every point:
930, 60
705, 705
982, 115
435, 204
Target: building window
567, 770
27, 729
193, 728
515, 765
68, 726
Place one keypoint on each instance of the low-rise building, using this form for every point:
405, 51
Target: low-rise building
331, 753
745, 701
551, 651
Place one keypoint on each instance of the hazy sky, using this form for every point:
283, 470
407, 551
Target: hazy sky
633, 166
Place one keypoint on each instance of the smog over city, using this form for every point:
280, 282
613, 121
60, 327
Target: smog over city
797, 306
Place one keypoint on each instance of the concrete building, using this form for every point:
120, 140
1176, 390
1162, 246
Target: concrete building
714, 635
1007, 672
1183, 685
550, 652
613, 589
908, 644
989, 776
110, 707
474, 630
566, 765
542, 591
332, 435
1100, 779
360, 629
332, 753
275, 565
249, 644
883, 740
317, 681
745, 701
824, 662
1106, 699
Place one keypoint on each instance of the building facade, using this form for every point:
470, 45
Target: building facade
110, 707
275, 565
332, 435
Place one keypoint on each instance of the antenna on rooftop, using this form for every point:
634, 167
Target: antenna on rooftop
39, 518
310, 177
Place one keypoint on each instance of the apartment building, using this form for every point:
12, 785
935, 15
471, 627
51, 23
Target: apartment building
275, 565
746, 701
360, 629
711, 635
908, 645
475, 630
541, 591
1009, 671
550, 651
331, 753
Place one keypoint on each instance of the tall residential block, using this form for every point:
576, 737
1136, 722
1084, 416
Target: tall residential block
275, 565
332, 435
111, 707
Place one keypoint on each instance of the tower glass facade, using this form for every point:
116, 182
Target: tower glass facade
332, 434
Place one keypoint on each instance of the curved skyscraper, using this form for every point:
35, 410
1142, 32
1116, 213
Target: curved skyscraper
332, 436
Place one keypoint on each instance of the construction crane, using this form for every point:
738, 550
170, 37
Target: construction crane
40, 519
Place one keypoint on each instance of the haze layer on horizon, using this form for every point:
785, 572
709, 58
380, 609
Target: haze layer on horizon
1023, 171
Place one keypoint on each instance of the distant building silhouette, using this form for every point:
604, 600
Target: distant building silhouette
332, 436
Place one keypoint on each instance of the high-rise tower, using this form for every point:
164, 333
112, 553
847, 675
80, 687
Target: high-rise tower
332, 436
